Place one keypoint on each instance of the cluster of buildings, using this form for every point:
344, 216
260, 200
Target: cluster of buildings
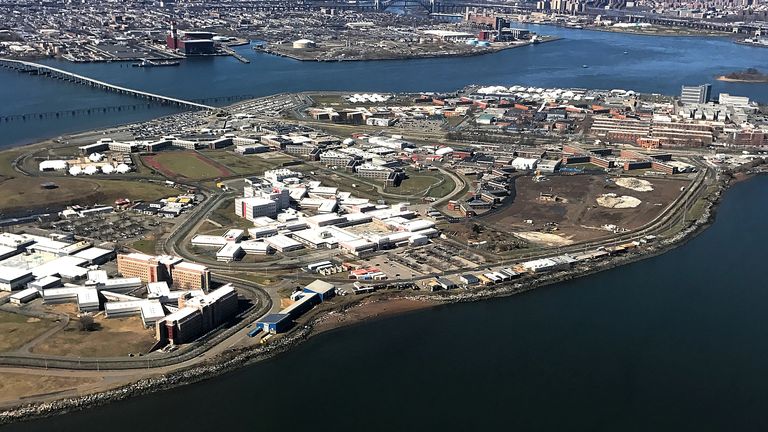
623, 117
43, 261
384, 116
171, 294
289, 213
169, 207
110, 157
624, 159
538, 266
164, 143
178, 295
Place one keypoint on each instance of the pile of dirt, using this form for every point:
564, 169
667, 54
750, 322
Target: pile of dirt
618, 202
635, 184
546, 239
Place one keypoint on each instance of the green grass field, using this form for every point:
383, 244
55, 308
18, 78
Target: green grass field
146, 246
6, 158
189, 165
418, 182
250, 164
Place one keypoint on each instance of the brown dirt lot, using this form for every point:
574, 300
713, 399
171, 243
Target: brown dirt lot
115, 337
16, 386
17, 330
579, 216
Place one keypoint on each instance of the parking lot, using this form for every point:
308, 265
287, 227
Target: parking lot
113, 227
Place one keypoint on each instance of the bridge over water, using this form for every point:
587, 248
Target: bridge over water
39, 69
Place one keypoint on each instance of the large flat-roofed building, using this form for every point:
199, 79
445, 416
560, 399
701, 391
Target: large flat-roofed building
324, 289
274, 323
96, 255
13, 279
283, 243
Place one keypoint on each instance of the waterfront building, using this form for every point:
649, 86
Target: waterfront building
696, 94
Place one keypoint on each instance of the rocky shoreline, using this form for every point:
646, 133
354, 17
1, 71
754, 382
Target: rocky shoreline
237, 358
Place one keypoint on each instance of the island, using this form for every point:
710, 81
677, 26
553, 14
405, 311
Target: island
750, 75
156, 254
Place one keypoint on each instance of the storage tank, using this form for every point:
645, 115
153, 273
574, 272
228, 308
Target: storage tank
74, 171
303, 44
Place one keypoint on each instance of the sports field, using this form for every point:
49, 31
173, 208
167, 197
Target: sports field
186, 165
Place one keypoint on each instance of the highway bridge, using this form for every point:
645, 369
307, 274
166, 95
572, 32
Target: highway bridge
39, 69
699, 24
34, 116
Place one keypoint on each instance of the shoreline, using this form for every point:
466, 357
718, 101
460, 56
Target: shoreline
385, 304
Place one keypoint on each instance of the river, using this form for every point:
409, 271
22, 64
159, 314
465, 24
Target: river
677, 342
651, 64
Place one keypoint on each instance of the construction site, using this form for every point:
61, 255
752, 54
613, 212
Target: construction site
570, 208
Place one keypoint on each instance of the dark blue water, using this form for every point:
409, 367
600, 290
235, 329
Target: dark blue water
652, 64
678, 342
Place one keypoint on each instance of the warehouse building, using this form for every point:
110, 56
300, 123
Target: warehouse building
562, 262
274, 323
323, 289
302, 305
45, 283
96, 256
151, 311
87, 299
283, 243
253, 247
230, 252
24, 296
12, 279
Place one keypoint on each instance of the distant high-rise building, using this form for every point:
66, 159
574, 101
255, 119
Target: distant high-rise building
696, 94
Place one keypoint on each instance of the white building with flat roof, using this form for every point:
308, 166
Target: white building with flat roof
13, 278
283, 243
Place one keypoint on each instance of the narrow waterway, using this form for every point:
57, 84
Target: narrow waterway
674, 343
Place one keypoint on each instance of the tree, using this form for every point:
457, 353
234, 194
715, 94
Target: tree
87, 322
